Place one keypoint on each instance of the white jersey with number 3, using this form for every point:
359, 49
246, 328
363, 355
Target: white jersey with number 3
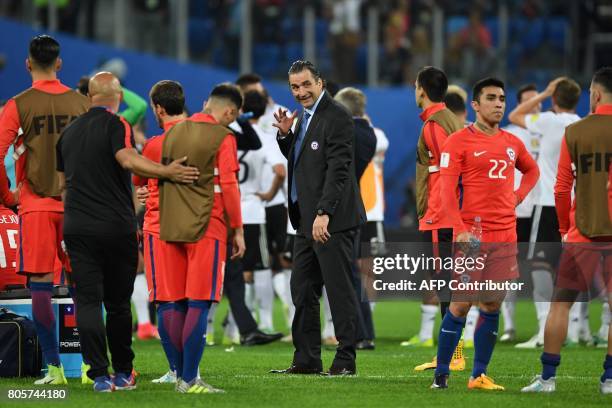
253, 164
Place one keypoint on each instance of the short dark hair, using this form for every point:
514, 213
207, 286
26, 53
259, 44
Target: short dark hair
169, 95
228, 91
256, 103
332, 87
44, 51
455, 103
603, 77
434, 83
567, 94
483, 83
300, 65
523, 89
248, 79
83, 85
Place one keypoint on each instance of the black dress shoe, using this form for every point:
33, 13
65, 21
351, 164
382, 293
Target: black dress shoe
365, 345
257, 337
297, 370
341, 371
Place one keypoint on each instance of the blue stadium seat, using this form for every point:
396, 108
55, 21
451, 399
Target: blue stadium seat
492, 25
533, 34
557, 31
201, 31
267, 59
455, 24
292, 29
321, 32
293, 52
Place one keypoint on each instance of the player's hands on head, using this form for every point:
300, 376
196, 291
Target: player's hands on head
550, 89
319, 229
238, 245
142, 193
284, 121
179, 173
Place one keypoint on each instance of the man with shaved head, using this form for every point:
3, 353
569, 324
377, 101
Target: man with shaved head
32, 122
95, 155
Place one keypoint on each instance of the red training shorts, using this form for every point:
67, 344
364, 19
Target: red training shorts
194, 270
40, 249
498, 251
585, 266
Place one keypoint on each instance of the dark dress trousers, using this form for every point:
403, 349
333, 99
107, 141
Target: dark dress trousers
324, 173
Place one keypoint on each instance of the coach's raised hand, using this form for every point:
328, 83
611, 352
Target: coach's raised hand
284, 121
182, 174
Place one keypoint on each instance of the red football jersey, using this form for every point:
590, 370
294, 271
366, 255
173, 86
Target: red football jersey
227, 198
486, 165
9, 236
153, 151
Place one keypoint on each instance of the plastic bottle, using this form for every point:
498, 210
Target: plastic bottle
476, 237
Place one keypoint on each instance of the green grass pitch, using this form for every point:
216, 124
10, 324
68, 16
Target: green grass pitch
385, 377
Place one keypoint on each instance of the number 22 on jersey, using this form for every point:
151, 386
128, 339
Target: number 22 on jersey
496, 171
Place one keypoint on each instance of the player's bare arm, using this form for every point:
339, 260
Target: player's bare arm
518, 115
129, 159
279, 177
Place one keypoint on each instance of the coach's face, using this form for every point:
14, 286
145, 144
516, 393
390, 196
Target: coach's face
491, 104
305, 88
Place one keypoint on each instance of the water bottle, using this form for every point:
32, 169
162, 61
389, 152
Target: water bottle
476, 237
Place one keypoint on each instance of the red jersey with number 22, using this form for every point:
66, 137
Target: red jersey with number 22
486, 165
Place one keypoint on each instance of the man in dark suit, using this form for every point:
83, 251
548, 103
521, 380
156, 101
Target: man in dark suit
326, 210
354, 101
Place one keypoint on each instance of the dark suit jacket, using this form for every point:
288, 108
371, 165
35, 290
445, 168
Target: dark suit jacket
325, 171
365, 145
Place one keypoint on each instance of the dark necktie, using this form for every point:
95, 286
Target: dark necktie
296, 152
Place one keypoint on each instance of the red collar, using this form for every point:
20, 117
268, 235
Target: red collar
604, 109
203, 117
51, 86
168, 125
436, 107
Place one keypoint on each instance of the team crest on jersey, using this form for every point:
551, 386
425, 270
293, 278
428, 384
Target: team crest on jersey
314, 145
511, 154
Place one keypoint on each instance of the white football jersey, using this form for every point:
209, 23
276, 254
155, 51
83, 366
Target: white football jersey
253, 164
269, 137
531, 141
372, 181
551, 126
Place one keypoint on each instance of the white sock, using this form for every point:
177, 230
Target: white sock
328, 327
542, 285
372, 306
585, 328
280, 282
507, 308
542, 309
249, 298
140, 297
605, 321
264, 295
210, 328
428, 319
573, 328
470, 323
231, 328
